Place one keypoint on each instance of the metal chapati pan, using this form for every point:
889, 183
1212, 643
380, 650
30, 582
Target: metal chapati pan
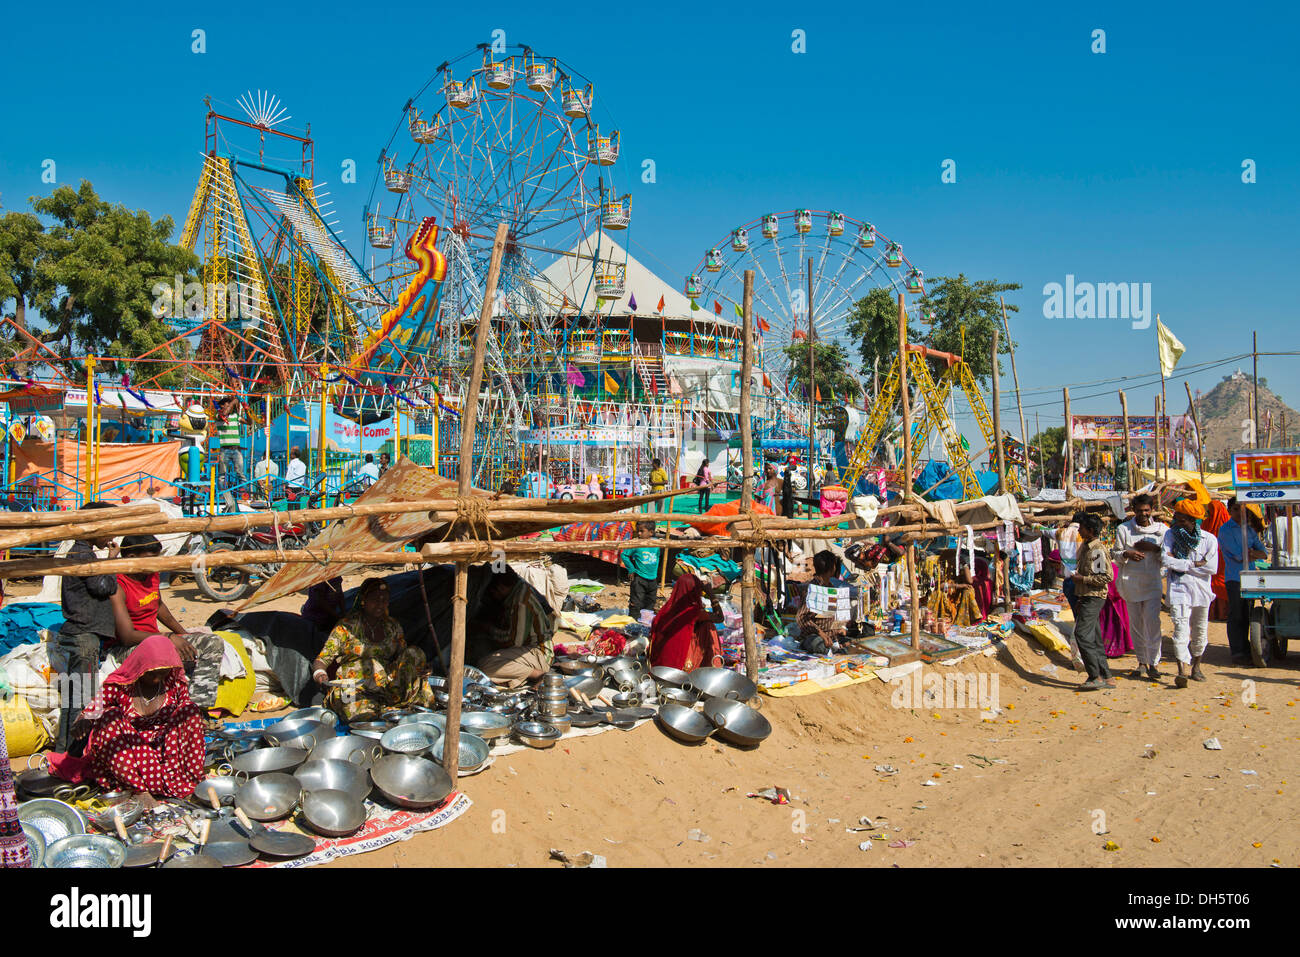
275, 843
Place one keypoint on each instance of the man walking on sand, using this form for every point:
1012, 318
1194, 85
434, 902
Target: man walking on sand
1191, 557
1091, 582
1137, 550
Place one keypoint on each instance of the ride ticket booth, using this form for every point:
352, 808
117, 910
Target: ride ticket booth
1270, 479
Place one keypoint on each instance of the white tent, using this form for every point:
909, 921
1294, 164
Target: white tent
570, 277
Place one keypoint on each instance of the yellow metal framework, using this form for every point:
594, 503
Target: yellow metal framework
933, 413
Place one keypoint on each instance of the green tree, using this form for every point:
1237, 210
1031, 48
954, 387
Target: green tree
873, 324
831, 369
96, 269
21, 237
954, 304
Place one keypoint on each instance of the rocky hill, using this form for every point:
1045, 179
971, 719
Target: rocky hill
1223, 409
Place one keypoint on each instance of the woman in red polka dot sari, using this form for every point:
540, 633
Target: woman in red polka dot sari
146, 734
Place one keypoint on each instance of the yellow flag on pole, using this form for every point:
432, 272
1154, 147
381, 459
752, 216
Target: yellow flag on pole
1171, 350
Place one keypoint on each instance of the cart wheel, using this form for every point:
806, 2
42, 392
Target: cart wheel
1258, 636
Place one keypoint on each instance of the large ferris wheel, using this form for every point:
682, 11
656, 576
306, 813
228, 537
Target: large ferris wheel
512, 137
849, 258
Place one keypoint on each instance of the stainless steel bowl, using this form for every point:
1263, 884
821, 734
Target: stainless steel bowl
485, 724
684, 724
535, 734
626, 699
560, 723
473, 752
397, 714
86, 850
736, 722
368, 729
224, 786
269, 797
333, 774
334, 813
411, 782
414, 739
323, 715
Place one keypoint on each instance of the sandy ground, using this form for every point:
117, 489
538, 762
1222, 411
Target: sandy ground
1035, 785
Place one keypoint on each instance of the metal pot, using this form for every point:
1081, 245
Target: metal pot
560, 723
323, 715
684, 724
334, 813
535, 734
269, 760
722, 683
736, 722
626, 699
269, 797
368, 729
86, 850
670, 676
410, 781
361, 751
332, 774
485, 724
397, 714
684, 696
297, 733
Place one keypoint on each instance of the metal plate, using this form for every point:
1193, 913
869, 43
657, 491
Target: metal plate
632, 714
193, 860
586, 720
282, 844
229, 853
146, 855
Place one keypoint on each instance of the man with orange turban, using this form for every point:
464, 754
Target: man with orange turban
1190, 559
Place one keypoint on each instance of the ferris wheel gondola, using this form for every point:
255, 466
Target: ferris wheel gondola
846, 266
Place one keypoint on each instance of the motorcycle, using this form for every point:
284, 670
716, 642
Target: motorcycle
227, 583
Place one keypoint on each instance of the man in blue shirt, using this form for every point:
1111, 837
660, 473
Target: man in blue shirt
1238, 610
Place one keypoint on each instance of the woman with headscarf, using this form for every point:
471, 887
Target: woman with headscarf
682, 634
368, 653
1190, 558
145, 733
1216, 516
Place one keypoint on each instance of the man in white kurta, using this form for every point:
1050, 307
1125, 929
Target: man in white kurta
1137, 552
1190, 558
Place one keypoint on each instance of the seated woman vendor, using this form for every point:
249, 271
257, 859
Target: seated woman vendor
367, 651
516, 630
682, 635
138, 609
145, 733
818, 633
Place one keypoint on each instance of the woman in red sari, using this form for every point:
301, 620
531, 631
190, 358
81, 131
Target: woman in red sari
146, 734
682, 635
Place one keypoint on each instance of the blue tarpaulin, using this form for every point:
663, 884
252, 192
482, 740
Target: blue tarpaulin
20, 623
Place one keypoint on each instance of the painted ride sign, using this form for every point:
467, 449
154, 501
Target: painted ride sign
1265, 467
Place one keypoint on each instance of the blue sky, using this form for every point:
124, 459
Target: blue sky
1115, 167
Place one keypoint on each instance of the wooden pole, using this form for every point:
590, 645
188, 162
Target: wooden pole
1196, 424
914, 598
812, 381
1069, 447
1162, 420
1042, 464
1254, 378
1128, 449
747, 473
464, 473
997, 420
1015, 378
